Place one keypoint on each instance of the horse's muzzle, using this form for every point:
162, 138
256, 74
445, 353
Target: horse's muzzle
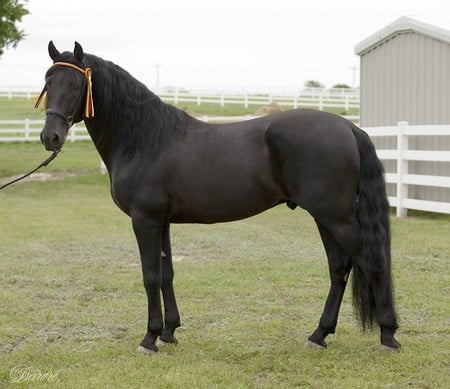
52, 141
54, 133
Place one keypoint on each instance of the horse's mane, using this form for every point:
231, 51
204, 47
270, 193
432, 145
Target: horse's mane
142, 122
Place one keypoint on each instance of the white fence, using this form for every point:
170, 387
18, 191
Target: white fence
403, 155
19, 91
29, 130
312, 98
319, 98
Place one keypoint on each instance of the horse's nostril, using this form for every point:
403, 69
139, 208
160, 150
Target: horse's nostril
55, 139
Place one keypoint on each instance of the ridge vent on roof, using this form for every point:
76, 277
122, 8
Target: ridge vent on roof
401, 25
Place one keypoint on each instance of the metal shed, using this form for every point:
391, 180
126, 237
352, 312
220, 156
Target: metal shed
405, 76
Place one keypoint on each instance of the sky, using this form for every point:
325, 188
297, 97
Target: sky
240, 44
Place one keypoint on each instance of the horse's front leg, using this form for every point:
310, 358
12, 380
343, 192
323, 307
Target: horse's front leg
171, 314
148, 234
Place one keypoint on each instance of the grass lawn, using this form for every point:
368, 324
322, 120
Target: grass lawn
73, 307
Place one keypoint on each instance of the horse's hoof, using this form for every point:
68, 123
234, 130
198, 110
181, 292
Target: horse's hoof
160, 343
314, 346
388, 343
165, 340
146, 351
387, 349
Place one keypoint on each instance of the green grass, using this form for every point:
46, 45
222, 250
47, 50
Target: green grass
19, 108
249, 292
17, 158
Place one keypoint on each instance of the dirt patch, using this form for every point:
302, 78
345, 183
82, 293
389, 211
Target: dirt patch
38, 177
268, 109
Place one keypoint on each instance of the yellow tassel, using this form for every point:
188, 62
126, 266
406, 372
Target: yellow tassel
89, 109
43, 95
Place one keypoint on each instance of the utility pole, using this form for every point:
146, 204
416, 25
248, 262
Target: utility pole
157, 66
354, 69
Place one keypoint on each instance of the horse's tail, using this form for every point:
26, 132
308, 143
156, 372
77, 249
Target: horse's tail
372, 280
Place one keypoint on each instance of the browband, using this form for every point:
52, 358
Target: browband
89, 105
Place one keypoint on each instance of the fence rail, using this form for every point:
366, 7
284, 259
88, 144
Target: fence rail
402, 154
320, 101
28, 131
319, 98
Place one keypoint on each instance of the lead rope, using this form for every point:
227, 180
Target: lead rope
43, 164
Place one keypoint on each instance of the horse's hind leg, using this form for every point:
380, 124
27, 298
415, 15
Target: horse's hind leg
171, 314
339, 264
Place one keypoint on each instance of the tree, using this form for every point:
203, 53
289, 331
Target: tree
313, 84
11, 12
341, 86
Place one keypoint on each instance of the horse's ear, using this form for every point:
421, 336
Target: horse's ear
78, 52
53, 51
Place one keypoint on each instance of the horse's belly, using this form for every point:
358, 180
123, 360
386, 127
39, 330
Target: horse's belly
222, 176
232, 196
217, 213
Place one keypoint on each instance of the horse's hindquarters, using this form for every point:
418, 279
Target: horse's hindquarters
318, 159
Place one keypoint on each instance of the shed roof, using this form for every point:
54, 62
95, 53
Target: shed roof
401, 25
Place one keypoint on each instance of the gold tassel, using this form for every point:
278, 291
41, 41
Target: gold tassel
43, 95
89, 105
89, 109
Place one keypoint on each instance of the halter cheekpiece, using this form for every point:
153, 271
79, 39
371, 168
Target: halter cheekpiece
89, 105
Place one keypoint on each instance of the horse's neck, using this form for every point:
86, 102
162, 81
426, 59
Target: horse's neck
97, 133
110, 135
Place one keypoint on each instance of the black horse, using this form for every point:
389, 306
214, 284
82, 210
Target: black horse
167, 167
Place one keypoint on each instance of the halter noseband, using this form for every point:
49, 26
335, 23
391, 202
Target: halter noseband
89, 105
66, 118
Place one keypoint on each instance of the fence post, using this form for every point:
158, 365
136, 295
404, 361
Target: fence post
222, 100
295, 101
102, 167
27, 129
72, 133
321, 102
245, 99
199, 100
402, 169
